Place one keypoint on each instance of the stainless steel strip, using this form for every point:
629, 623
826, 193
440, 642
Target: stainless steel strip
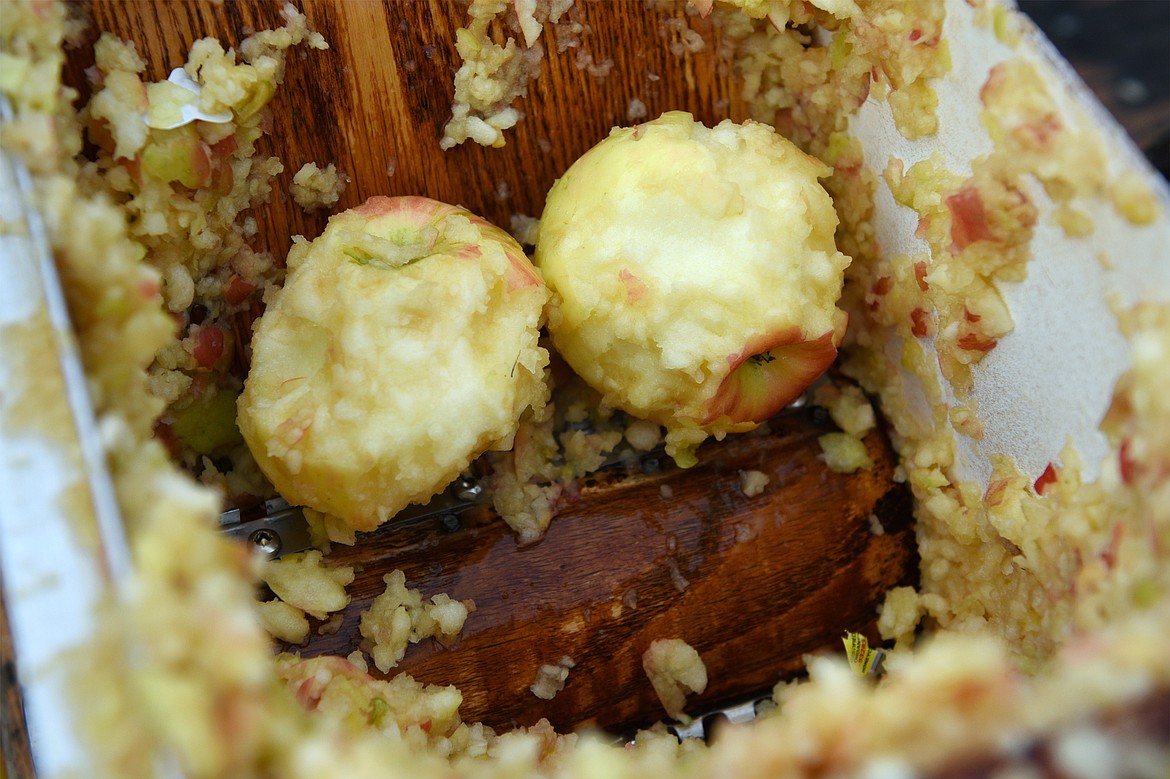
64, 550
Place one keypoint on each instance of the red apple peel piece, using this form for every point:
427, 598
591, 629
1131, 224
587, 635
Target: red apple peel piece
769, 374
969, 218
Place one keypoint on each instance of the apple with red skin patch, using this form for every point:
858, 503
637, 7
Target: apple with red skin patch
1045, 479
696, 274
403, 345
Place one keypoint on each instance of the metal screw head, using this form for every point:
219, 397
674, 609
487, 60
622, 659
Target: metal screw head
450, 522
469, 490
266, 541
1131, 91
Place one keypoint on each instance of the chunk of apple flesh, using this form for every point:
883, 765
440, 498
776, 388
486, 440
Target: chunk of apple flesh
771, 372
178, 155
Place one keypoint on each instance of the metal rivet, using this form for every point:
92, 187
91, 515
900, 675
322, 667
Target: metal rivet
266, 541
713, 724
469, 491
450, 522
1131, 91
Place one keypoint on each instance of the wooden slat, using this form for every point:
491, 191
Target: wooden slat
15, 753
767, 580
377, 100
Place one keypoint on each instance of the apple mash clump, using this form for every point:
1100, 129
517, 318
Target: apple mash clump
400, 616
402, 346
674, 668
695, 273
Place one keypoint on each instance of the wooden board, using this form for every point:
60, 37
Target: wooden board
753, 583
375, 103
15, 755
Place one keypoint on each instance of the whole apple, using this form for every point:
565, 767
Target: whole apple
695, 274
402, 345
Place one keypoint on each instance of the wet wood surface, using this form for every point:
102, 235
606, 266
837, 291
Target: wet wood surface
15, 755
753, 583
376, 101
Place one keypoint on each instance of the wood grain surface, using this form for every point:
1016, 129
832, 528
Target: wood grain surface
752, 583
375, 103
15, 756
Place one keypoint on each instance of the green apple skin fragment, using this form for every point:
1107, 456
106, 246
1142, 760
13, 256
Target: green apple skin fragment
208, 425
402, 346
695, 274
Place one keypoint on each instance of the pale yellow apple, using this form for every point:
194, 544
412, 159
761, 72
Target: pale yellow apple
402, 345
695, 273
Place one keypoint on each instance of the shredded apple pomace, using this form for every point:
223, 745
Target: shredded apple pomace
696, 274
402, 346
